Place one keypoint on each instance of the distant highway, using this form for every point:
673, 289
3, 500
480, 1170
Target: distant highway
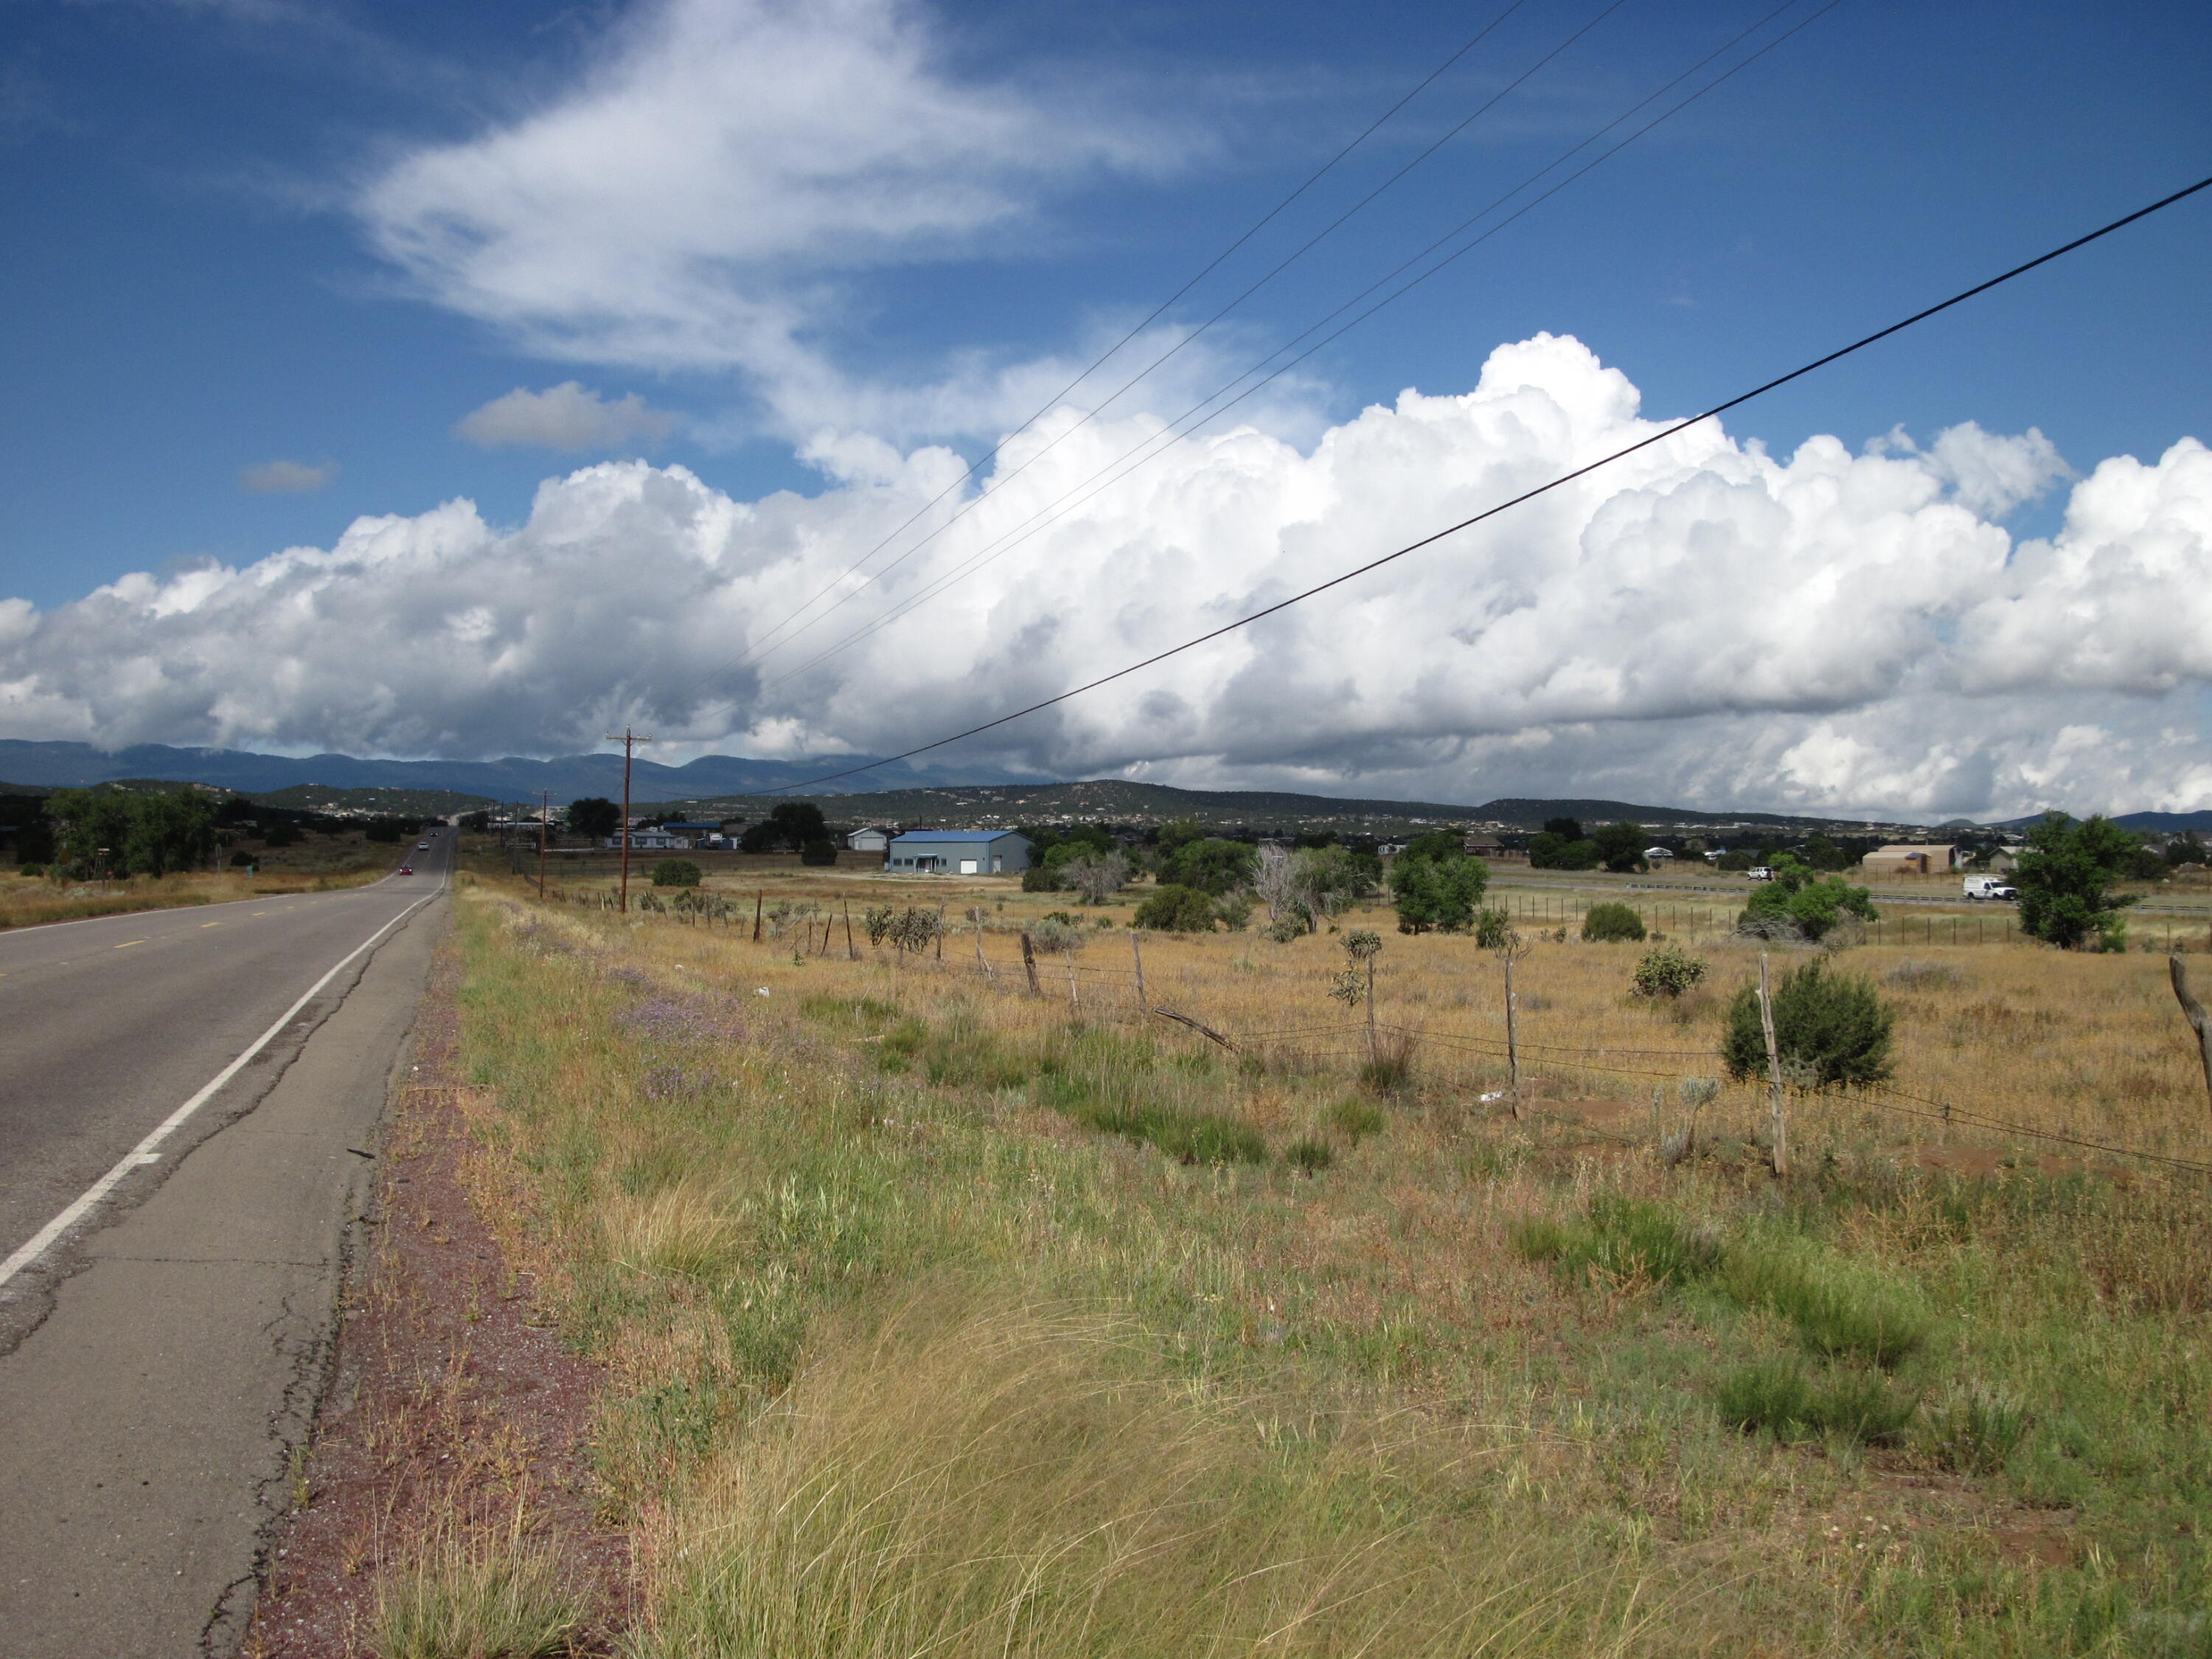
188, 1103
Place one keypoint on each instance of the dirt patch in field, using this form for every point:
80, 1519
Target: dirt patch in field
455, 1412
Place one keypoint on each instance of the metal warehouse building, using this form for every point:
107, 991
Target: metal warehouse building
959, 852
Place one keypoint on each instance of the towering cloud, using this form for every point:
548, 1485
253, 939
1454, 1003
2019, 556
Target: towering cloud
1703, 621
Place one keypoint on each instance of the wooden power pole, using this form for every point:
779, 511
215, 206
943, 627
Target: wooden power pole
544, 812
628, 740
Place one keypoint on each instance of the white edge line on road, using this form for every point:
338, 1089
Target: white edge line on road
146, 1151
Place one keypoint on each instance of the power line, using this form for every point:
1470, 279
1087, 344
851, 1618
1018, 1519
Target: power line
1197, 415
1207, 270
1583, 470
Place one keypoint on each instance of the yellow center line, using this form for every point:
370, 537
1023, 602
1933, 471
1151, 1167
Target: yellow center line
211, 924
128, 943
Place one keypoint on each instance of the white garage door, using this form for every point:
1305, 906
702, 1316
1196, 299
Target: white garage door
966, 867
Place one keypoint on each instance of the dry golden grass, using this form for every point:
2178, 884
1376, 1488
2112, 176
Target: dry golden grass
832, 1452
27, 901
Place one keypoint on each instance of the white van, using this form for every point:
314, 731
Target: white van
1990, 887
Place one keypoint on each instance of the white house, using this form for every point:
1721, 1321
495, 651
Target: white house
870, 839
652, 841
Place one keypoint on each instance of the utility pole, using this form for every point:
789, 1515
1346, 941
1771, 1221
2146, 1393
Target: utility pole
544, 812
628, 740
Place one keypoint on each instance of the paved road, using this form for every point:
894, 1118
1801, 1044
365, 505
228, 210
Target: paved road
186, 1099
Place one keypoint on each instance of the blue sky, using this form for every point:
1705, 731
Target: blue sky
221, 212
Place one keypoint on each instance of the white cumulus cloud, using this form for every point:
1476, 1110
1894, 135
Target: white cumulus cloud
692, 203
564, 416
286, 477
1703, 622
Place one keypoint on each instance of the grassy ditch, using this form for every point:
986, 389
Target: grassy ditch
944, 1318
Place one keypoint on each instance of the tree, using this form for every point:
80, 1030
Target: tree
1798, 904
1620, 846
1096, 876
1549, 851
2065, 876
1834, 1027
675, 873
1275, 879
1175, 909
1565, 828
148, 834
1212, 866
1332, 880
1611, 924
1439, 893
1177, 833
1435, 844
822, 851
595, 816
2186, 848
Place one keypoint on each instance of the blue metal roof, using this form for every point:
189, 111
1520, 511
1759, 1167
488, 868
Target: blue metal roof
954, 835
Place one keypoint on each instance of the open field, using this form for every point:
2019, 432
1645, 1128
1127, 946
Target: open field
939, 1315
315, 866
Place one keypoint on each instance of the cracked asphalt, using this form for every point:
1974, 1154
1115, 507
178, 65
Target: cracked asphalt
162, 1362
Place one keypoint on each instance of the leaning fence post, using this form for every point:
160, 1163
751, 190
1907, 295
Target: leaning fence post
981, 961
1137, 954
2194, 1012
1512, 1039
1029, 962
756, 917
1074, 999
852, 950
1773, 1071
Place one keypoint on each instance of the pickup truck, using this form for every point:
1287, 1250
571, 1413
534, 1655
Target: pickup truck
1990, 887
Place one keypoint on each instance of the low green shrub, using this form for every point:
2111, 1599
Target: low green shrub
1833, 1026
1175, 909
1309, 1156
675, 872
1493, 929
1611, 923
817, 853
1668, 971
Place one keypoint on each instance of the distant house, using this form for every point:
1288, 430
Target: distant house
1911, 859
654, 841
1389, 849
958, 852
1481, 845
870, 839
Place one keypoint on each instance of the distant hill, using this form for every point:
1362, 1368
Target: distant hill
1118, 800
66, 765
2164, 823
393, 803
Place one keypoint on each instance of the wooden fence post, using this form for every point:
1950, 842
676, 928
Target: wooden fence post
756, 917
1512, 1038
1074, 999
1029, 962
940, 930
1773, 1071
981, 961
852, 950
1137, 954
2194, 1012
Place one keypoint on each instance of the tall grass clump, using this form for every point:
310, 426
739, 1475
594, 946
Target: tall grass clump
495, 1595
1623, 1238
1839, 1306
1018, 1482
1848, 1403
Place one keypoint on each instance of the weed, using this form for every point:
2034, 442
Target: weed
1390, 1069
1623, 1238
1309, 1156
1850, 1403
1355, 1119
1187, 1136
1976, 1430
1839, 1307
494, 1596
